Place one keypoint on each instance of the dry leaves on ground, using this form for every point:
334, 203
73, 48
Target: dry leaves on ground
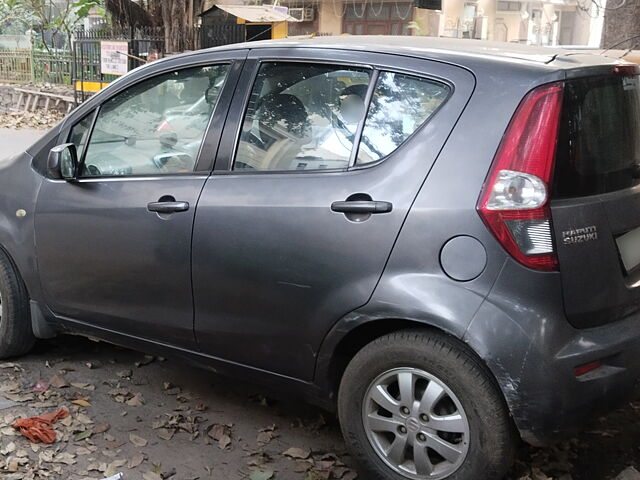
40, 120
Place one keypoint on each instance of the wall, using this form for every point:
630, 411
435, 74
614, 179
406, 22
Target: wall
9, 97
330, 17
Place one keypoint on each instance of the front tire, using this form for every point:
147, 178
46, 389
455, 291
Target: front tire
16, 335
417, 405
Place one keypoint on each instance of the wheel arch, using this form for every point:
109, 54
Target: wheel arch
352, 333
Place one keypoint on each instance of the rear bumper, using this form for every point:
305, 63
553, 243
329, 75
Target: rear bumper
532, 351
566, 403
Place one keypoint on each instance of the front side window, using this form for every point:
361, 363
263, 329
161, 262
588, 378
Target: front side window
80, 133
154, 127
302, 117
400, 105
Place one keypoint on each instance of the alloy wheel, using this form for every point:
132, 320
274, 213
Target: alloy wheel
416, 424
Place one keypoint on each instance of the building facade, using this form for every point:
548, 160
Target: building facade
557, 22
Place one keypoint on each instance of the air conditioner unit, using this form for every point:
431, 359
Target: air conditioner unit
306, 14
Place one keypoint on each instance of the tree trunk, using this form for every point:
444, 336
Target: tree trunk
173, 19
621, 25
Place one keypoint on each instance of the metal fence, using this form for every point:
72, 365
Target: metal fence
54, 68
87, 75
15, 66
26, 65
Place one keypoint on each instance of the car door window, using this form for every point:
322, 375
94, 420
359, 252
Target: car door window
80, 133
400, 105
302, 117
154, 127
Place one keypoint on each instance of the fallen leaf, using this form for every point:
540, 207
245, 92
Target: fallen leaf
10, 448
101, 428
137, 440
84, 386
300, 453
221, 434
136, 401
64, 457
82, 402
113, 467
146, 361
58, 381
82, 435
261, 475
14, 366
165, 433
265, 435
136, 460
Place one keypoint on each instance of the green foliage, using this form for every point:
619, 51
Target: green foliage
64, 16
15, 16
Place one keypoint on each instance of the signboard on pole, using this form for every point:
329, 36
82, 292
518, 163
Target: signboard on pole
113, 58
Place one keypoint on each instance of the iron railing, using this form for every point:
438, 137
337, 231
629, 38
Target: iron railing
15, 66
35, 66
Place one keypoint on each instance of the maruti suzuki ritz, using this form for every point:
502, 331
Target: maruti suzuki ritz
439, 239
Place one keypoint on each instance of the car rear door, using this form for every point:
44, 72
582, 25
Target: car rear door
295, 225
596, 200
114, 245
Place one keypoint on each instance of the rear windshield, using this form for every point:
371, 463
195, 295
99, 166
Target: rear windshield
599, 141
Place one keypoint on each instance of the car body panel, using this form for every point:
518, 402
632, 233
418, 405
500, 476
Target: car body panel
308, 266
280, 282
88, 230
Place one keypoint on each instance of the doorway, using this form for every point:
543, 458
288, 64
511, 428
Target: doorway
258, 32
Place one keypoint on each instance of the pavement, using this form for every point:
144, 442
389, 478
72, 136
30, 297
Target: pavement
157, 419
16, 141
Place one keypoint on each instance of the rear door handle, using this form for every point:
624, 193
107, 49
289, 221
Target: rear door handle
168, 207
362, 206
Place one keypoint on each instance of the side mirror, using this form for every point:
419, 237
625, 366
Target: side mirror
63, 162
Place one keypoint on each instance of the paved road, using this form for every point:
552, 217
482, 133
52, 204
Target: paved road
14, 141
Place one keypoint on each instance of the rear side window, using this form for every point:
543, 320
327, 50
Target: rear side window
307, 116
302, 117
599, 139
400, 105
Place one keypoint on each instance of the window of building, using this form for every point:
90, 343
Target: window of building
509, 6
378, 18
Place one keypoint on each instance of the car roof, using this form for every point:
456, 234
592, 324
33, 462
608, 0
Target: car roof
445, 49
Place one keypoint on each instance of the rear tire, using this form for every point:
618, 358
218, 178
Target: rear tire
401, 389
16, 335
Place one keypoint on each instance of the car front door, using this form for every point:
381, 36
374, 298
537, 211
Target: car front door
295, 224
114, 246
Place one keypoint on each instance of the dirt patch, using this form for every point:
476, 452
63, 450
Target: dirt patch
153, 419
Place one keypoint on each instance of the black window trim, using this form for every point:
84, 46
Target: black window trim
375, 73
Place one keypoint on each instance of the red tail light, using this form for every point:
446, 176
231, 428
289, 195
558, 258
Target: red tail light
514, 202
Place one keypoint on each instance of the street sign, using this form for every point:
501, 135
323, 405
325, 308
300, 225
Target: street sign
113, 58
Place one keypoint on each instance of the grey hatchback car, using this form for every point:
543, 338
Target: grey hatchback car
439, 239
